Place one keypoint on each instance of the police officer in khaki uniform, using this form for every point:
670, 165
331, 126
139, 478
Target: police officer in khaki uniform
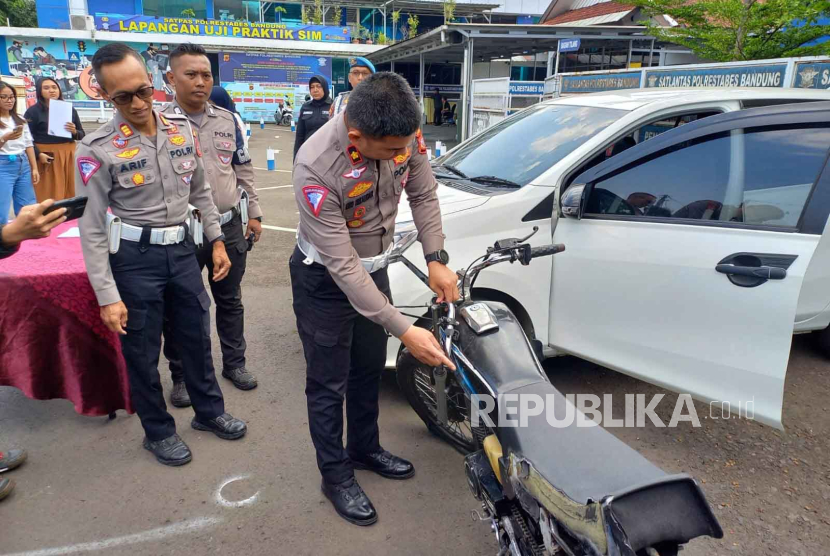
348, 179
146, 168
229, 171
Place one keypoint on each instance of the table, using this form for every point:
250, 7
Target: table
52, 341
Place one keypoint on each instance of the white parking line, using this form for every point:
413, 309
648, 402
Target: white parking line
145, 536
280, 229
275, 187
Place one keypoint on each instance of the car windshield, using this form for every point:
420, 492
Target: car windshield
519, 149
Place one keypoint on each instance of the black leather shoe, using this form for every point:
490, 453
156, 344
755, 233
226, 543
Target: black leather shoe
171, 451
350, 502
179, 396
6, 487
385, 464
241, 378
225, 426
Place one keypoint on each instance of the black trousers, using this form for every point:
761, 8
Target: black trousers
155, 280
345, 355
227, 294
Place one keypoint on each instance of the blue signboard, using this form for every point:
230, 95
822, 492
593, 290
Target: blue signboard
260, 67
767, 75
532, 88
812, 75
600, 82
453, 90
119, 23
569, 45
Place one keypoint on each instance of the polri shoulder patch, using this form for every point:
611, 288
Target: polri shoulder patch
87, 166
315, 195
422, 145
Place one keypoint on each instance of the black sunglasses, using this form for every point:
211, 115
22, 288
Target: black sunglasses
122, 99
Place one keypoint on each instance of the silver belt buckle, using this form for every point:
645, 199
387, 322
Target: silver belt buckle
171, 237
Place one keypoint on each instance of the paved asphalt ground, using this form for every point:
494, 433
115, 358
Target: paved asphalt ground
90, 488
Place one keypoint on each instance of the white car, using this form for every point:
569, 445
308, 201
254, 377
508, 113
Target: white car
665, 243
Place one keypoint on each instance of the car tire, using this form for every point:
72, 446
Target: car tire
822, 341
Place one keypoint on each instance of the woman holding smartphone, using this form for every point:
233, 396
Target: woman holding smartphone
18, 168
56, 160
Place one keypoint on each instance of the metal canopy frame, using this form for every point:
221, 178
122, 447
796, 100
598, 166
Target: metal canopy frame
468, 43
433, 7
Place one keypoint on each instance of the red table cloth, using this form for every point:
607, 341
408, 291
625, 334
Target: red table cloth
52, 341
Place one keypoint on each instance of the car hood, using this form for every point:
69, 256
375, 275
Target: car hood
451, 200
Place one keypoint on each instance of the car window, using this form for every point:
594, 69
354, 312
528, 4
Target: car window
654, 129
760, 176
524, 146
643, 133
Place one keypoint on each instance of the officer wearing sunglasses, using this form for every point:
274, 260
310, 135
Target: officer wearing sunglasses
146, 167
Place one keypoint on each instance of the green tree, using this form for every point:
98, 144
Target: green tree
20, 13
449, 10
412, 21
317, 13
279, 10
735, 30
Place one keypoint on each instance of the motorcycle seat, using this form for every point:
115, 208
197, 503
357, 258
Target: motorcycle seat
589, 465
584, 462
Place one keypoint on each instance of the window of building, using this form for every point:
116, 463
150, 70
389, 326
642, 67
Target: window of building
174, 8
233, 10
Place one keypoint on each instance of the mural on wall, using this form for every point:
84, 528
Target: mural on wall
261, 83
69, 62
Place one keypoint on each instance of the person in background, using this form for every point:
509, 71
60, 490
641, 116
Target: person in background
220, 97
315, 113
56, 161
359, 69
436, 107
18, 168
230, 173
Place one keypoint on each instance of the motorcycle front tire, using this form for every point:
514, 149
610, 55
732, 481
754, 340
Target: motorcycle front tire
407, 369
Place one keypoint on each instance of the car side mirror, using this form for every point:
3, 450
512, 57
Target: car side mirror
573, 201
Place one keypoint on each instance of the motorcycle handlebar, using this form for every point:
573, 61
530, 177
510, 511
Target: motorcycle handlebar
546, 250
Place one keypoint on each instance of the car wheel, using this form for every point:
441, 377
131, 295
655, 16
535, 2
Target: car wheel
822, 340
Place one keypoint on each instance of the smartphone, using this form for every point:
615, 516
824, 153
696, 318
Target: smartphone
250, 240
74, 207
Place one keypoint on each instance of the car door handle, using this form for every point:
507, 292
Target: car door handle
763, 272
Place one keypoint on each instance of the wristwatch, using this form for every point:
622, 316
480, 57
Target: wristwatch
441, 256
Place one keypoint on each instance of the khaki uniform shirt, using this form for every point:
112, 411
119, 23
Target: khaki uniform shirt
146, 181
227, 163
339, 104
348, 206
